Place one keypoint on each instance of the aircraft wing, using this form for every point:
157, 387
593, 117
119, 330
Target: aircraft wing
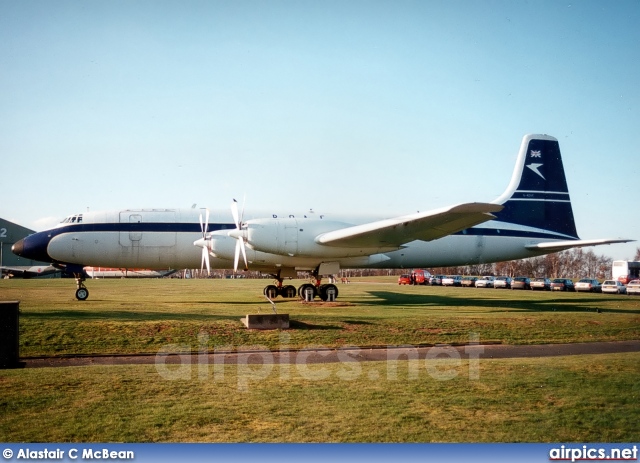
426, 226
555, 246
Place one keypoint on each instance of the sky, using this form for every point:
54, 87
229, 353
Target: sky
385, 107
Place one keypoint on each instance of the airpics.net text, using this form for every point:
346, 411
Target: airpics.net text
256, 363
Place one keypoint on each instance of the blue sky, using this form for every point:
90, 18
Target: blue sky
349, 106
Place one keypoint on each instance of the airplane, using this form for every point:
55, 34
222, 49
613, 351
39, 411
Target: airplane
28, 271
532, 217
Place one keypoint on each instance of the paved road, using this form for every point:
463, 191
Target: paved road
352, 354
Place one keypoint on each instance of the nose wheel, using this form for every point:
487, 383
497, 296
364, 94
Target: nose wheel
82, 293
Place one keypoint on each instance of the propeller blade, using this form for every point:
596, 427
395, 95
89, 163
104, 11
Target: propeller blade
244, 253
237, 219
202, 242
234, 212
205, 254
204, 225
237, 255
205, 257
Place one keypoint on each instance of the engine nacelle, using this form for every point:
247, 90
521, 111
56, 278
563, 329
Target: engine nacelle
296, 237
223, 246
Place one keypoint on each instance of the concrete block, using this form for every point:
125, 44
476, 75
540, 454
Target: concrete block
266, 321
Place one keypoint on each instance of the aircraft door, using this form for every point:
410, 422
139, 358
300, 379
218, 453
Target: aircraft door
133, 235
290, 234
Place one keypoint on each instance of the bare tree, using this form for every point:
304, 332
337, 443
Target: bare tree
574, 263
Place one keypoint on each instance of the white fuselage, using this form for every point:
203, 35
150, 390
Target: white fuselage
164, 239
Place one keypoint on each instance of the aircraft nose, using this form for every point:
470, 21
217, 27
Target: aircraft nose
33, 247
18, 248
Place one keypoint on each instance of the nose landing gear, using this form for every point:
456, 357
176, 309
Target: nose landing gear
82, 293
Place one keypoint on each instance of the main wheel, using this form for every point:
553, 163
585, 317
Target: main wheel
271, 291
302, 291
288, 291
82, 294
325, 290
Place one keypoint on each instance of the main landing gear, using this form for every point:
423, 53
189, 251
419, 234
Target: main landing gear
306, 291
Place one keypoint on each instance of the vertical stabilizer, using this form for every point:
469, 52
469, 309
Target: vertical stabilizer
537, 198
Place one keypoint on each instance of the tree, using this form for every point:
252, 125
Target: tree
574, 263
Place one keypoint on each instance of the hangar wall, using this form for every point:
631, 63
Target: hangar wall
11, 233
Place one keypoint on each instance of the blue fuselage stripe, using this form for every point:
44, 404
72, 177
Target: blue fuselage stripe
168, 227
35, 246
158, 227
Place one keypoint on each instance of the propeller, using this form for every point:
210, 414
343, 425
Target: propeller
238, 235
203, 242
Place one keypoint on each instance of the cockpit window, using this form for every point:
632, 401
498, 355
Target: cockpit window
73, 219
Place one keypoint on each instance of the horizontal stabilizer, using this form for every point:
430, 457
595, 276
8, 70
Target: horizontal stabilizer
426, 226
555, 246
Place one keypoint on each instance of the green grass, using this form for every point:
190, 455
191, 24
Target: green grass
590, 398
124, 316
570, 399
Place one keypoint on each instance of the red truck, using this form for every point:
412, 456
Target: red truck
417, 277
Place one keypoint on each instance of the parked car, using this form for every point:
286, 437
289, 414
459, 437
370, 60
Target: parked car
541, 284
562, 284
436, 280
452, 280
502, 282
485, 282
614, 287
404, 280
521, 283
420, 277
469, 282
625, 279
589, 284
633, 287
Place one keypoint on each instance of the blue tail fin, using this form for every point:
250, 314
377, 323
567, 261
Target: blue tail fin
537, 197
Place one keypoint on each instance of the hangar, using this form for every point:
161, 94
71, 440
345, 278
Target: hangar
11, 233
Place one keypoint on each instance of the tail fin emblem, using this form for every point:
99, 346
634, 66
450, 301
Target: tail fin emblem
536, 154
534, 167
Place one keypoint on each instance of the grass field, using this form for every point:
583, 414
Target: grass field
581, 398
124, 316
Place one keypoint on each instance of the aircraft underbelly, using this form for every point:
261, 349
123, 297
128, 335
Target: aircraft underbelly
154, 250
458, 250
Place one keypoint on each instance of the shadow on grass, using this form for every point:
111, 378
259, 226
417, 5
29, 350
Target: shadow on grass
356, 322
294, 324
578, 304
123, 315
